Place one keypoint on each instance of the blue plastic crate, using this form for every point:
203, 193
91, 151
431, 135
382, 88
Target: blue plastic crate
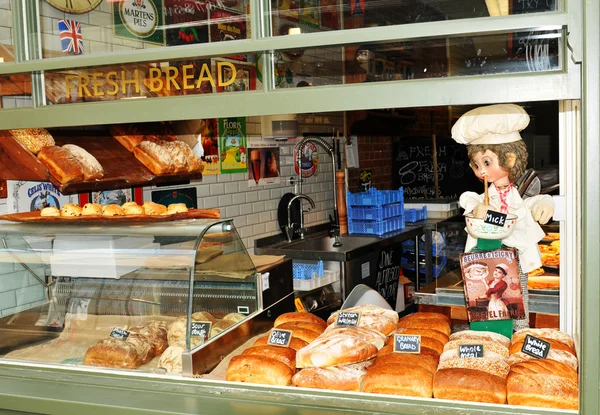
375, 227
414, 215
307, 271
375, 197
375, 212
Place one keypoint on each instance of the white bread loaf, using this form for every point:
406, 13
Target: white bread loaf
481, 335
335, 350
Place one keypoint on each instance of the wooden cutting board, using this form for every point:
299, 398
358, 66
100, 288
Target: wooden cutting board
35, 217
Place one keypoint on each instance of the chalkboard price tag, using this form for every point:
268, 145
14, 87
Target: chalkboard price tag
347, 319
118, 333
535, 347
470, 350
495, 218
406, 343
201, 329
279, 337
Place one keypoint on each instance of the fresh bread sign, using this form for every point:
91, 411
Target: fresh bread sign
139, 20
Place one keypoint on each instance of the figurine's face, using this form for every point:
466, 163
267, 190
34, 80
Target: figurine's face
487, 165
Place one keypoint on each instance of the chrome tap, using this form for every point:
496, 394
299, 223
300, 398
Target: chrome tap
289, 230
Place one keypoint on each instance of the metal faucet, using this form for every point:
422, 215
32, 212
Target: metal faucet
289, 229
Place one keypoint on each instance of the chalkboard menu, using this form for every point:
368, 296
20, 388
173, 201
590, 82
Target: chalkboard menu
412, 168
532, 6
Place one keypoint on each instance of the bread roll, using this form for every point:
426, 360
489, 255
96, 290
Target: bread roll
299, 316
258, 369
434, 334
427, 342
128, 135
133, 210
399, 379
341, 378
366, 309
375, 337
33, 139
154, 157
91, 209
178, 157
426, 361
112, 210
285, 355
50, 211
152, 209
114, 353
61, 164
487, 346
561, 356
427, 316
92, 170
291, 325
545, 334
481, 335
70, 209
295, 343
516, 347
430, 324
460, 384
497, 367
171, 358
335, 351
177, 208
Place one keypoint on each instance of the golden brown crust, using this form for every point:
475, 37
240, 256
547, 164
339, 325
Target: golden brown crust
134, 210
33, 139
291, 325
112, 210
545, 334
61, 164
128, 135
431, 324
542, 390
154, 157
298, 316
303, 334
177, 208
426, 361
70, 209
438, 335
427, 342
487, 346
220, 326
151, 208
194, 162
497, 367
91, 209
375, 337
460, 384
285, 355
481, 335
341, 378
399, 379
427, 316
50, 211
178, 157
113, 353
561, 356
546, 367
554, 345
335, 351
237, 317
295, 343
203, 316
364, 310
543, 283
389, 348
258, 369
91, 168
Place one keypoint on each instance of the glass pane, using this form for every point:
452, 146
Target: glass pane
15, 91
104, 26
314, 16
6, 32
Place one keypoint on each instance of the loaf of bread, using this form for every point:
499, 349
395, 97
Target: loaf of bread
434, 334
91, 209
427, 342
341, 378
154, 157
70, 210
459, 384
430, 324
303, 334
454, 354
545, 334
285, 355
399, 379
258, 369
157, 336
61, 164
128, 135
170, 360
389, 348
543, 383
92, 170
292, 325
177, 331
561, 356
376, 338
426, 360
335, 350
220, 326
473, 335
497, 367
299, 316
193, 161
236, 317
516, 346
33, 139
115, 353
487, 346
143, 345
178, 155
203, 316
50, 211
295, 343
366, 309
427, 316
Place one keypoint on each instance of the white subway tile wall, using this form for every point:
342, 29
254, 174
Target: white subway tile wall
5, 23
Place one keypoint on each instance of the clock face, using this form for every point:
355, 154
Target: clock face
74, 6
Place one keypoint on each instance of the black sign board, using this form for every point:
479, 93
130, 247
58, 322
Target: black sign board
407, 343
535, 347
412, 168
279, 337
470, 350
495, 218
388, 273
347, 319
532, 6
201, 329
118, 333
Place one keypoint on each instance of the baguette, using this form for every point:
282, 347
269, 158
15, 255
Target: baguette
61, 164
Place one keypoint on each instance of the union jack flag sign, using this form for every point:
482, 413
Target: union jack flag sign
70, 36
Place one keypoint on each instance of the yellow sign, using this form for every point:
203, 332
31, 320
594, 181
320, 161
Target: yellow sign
99, 84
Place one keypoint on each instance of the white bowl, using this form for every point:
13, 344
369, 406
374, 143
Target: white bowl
477, 228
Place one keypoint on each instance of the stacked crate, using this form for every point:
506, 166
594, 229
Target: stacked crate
375, 212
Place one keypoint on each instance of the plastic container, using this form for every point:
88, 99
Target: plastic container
414, 215
307, 270
375, 212
375, 227
375, 197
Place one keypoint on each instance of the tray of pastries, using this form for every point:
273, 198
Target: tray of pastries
128, 212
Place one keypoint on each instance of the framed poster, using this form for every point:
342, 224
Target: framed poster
232, 144
187, 195
227, 25
141, 20
263, 166
209, 137
186, 22
112, 197
31, 196
244, 78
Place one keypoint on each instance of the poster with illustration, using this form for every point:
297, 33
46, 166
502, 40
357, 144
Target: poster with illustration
31, 196
232, 144
112, 197
226, 25
235, 76
309, 14
330, 17
186, 22
309, 161
264, 165
492, 287
209, 137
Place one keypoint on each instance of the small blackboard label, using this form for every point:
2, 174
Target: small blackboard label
118, 333
406, 343
535, 347
279, 337
495, 218
347, 319
201, 329
470, 350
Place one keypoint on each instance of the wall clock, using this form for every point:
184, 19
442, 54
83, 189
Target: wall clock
74, 6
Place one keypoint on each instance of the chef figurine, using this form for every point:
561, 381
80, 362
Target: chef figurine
496, 151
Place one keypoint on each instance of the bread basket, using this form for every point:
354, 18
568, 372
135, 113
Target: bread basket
477, 228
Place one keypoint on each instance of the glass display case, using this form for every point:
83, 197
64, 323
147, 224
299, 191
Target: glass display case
70, 286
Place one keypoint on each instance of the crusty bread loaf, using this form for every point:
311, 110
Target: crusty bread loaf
389, 348
516, 347
154, 157
91, 209
220, 326
341, 378
481, 335
114, 353
431, 324
203, 316
50, 211
155, 335
178, 156
497, 367
543, 383
152, 209
144, 346
70, 209
460, 384
34, 139
454, 354
366, 309
303, 334
92, 169
335, 350
237, 317
258, 369
299, 316
426, 361
285, 355
128, 135
545, 334
427, 342
171, 358
399, 379
112, 210
561, 356
194, 162
61, 164
295, 343
434, 334
427, 316
291, 325
375, 337
177, 331
487, 346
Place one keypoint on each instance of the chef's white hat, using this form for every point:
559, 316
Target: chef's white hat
503, 267
494, 124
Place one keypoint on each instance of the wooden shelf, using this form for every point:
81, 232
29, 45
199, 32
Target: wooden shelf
121, 169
